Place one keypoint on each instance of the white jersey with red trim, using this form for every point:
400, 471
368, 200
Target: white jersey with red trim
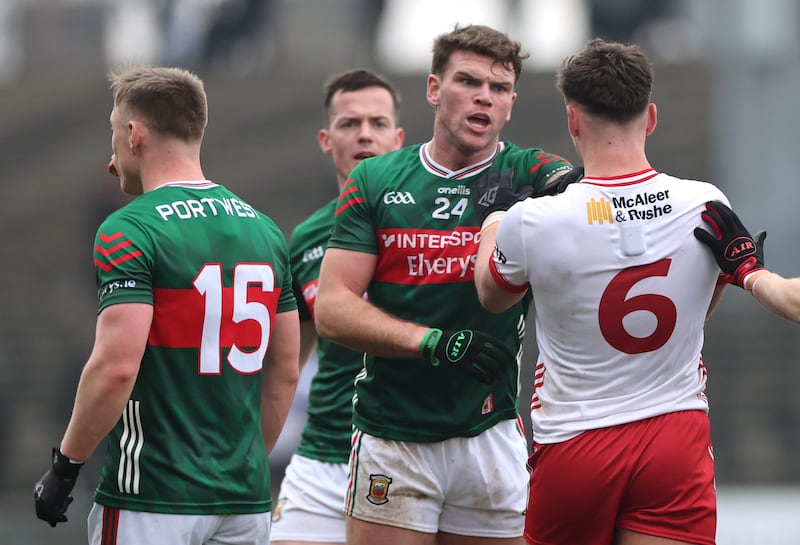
621, 290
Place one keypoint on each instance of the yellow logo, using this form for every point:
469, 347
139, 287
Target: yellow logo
599, 211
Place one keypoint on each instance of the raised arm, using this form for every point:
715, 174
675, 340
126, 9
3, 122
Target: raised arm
740, 256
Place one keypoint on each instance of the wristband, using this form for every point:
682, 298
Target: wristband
429, 341
754, 276
492, 218
755, 281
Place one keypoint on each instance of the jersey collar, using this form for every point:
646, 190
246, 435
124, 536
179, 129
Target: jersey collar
623, 180
194, 184
434, 168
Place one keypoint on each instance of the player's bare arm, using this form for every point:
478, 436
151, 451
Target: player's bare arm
108, 377
345, 317
281, 375
778, 294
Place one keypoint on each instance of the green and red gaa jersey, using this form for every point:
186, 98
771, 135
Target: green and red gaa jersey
216, 272
418, 218
328, 430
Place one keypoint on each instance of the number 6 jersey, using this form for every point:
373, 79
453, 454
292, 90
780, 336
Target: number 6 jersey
621, 289
216, 272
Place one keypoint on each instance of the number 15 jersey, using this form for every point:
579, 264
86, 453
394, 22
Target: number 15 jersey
621, 289
216, 272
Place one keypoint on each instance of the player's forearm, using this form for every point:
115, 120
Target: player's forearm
281, 375
778, 294
276, 400
350, 320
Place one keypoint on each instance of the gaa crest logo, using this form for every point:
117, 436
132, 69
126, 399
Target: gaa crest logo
378, 489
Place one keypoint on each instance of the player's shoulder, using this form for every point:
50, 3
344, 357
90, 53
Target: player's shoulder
320, 221
372, 168
533, 162
512, 151
692, 188
129, 215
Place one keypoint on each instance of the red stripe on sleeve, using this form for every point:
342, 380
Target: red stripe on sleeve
502, 282
348, 204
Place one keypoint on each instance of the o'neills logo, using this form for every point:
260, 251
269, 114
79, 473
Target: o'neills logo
413, 256
378, 489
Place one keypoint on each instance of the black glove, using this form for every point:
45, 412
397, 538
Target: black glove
737, 253
558, 185
495, 192
51, 493
483, 357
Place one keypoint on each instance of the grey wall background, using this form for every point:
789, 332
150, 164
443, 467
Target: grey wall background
724, 116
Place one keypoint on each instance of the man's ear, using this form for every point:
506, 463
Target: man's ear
324, 139
573, 123
137, 132
652, 118
434, 86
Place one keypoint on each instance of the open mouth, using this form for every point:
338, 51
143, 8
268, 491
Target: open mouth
112, 169
480, 121
364, 155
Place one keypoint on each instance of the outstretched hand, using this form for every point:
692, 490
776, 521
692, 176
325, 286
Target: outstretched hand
737, 253
495, 192
558, 185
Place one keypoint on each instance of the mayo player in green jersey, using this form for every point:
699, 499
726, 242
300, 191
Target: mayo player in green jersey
438, 451
195, 361
361, 111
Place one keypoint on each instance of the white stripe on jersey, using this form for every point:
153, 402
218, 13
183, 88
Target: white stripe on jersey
130, 448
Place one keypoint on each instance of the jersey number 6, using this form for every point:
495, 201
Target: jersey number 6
614, 306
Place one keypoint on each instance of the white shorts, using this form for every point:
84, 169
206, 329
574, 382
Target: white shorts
310, 504
109, 525
471, 486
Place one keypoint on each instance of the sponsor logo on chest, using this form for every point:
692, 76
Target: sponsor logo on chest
641, 206
427, 256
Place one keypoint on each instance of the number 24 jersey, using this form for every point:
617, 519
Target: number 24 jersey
419, 219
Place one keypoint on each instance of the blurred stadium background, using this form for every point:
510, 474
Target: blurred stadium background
728, 72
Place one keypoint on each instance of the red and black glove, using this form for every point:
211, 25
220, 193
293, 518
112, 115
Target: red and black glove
738, 254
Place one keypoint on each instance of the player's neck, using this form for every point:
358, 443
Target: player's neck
445, 154
610, 164
159, 173
608, 157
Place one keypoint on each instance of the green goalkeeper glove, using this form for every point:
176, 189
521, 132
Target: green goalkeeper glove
481, 356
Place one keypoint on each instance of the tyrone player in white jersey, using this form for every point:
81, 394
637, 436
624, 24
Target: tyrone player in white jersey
622, 449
